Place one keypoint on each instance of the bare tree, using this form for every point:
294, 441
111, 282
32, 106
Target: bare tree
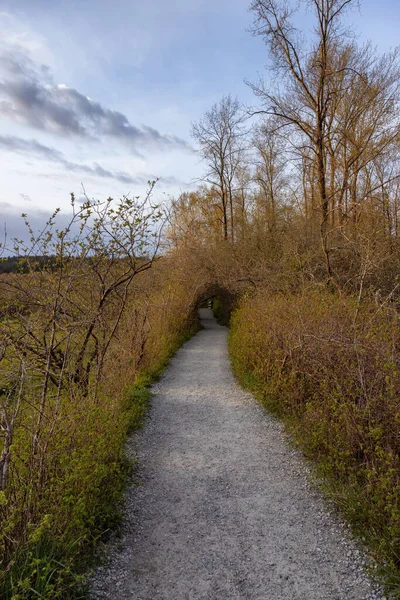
220, 135
338, 100
270, 172
195, 217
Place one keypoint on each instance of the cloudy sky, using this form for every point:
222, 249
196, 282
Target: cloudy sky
101, 93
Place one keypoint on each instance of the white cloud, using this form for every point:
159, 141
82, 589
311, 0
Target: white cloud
15, 32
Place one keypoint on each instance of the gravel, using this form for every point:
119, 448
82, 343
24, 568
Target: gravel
224, 509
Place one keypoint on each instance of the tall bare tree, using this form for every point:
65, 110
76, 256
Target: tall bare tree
338, 100
270, 172
221, 135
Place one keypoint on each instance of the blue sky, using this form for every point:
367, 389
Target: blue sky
102, 93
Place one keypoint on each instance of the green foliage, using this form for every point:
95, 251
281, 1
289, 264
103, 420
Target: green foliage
43, 569
84, 504
219, 312
329, 368
84, 335
222, 306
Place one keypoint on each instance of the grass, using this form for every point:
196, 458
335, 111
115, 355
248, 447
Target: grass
45, 570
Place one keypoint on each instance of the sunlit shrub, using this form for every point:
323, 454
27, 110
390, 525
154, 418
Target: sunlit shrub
331, 367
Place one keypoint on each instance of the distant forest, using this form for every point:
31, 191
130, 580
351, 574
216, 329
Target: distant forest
18, 264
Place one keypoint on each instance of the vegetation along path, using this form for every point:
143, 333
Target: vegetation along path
224, 510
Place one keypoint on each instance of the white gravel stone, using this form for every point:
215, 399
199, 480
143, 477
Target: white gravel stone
224, 510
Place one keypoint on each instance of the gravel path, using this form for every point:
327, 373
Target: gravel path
224, 510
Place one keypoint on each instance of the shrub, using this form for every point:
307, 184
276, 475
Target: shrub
331, 367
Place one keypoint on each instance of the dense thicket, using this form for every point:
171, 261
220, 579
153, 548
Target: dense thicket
336, 380
82, 335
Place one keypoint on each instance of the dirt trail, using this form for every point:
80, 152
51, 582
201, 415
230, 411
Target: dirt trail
224, 510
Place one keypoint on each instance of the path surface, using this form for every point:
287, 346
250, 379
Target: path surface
224, 510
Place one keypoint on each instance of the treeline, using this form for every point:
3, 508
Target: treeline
27, 264
19, 264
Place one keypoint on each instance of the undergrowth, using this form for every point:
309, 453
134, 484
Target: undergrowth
51, 563
329, 368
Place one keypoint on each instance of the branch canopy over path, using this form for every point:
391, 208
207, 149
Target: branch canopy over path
224, 510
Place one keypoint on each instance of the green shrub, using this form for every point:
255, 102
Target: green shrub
53, 515
330, 368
